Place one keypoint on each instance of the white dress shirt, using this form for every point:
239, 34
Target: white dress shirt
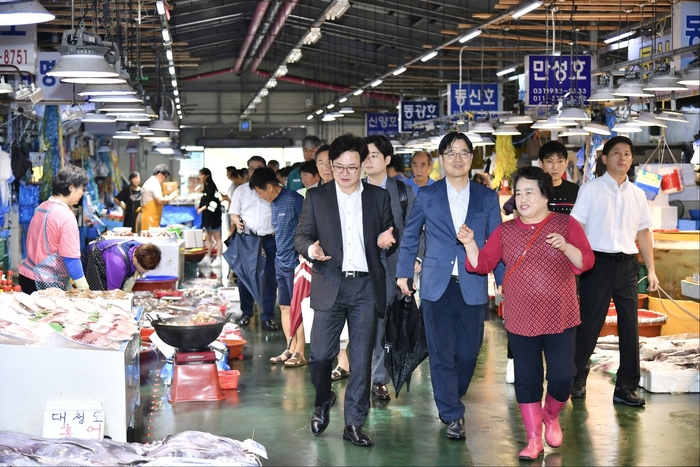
350, 210
459, 205
255, 211
612, 214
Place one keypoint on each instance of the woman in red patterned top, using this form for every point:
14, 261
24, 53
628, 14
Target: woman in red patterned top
542, 252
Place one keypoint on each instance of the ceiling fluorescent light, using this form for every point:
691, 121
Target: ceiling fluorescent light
171, 70
264, 92
174, 83
166, 36
23, 12
169, 54
312, 36
358, 92
428, 56
375, 83
271, 83
337, 9
469, 36
343, 99
319, 111
177, 100
398, 71
176, 92
330, 106
310, 117
619, 37
526, 9
160, 7
505, 71
294, 56
280, 71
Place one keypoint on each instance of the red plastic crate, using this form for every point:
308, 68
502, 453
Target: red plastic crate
228, 379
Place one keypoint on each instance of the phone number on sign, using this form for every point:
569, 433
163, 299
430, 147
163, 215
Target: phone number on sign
14, 56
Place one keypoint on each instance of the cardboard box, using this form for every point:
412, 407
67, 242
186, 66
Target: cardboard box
169, 187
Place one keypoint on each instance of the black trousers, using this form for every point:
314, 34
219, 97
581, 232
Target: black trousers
529, 374
354, 303
617, 280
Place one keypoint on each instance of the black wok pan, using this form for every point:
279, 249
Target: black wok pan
178, 333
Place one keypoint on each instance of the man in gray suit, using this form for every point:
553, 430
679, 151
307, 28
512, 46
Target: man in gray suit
375, 166
343, 228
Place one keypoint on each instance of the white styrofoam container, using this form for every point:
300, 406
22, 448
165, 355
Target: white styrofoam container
194, 238
671, 381
690, 289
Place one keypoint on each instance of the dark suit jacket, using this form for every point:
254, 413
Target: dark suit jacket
431, 208
320, 220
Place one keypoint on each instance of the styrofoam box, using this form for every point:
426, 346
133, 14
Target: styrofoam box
690, 289
671, 381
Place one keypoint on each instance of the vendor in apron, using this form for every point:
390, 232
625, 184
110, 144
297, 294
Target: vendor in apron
53, 238
152, 199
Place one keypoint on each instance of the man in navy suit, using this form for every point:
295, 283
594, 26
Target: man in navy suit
453, 299
343, 228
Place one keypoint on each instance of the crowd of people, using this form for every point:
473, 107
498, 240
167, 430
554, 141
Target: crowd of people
363, 240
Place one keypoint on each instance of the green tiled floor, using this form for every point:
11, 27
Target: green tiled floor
276, 403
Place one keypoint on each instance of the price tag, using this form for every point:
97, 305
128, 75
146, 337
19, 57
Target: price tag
18, 47
74, 420
255, 448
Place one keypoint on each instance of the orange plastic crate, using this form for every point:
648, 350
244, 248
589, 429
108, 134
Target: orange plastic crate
228, 379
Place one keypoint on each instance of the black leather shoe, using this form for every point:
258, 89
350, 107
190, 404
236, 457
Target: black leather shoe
578, 390
379, 391
455, 430
356, 436
244, 321
321, 416
624, 395
269, 325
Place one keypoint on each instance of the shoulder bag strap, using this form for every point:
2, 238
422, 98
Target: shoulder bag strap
527, 248
403, 198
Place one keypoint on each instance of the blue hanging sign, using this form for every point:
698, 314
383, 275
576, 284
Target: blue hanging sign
550, 77
417, 111
472, 97
381, 124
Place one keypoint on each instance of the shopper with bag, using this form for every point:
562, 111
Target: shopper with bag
53, 238
539, 316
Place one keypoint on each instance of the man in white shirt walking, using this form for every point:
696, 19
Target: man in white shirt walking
613, 212
252, 215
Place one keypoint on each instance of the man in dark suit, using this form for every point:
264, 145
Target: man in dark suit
453, 299
343, 228
375, 166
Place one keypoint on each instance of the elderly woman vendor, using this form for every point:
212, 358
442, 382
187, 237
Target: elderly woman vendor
115, 264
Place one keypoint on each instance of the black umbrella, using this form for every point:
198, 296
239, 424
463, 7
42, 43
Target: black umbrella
404, 340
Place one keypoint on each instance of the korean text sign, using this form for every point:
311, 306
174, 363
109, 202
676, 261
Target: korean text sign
471, 97
382, 124
417, 111
550, 77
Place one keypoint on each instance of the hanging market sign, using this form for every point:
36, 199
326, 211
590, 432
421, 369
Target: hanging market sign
413, 112
381, 124
550, 77
686, 30
472, 97
18, 47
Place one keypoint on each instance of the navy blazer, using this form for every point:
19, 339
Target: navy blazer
431, 209
320, 220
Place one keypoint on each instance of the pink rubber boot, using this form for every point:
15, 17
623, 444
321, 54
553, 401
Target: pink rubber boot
532, 419
550, 416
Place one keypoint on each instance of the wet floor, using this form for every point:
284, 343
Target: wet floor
273, 405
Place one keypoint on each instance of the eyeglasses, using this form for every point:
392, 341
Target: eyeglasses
323, 163
464, 154
351, 169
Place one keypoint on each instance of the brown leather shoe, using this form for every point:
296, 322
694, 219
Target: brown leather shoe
379, 391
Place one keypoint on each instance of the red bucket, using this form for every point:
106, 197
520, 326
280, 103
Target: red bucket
671, 182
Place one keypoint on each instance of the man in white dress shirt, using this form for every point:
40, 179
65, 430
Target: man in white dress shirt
613, 212
252, 215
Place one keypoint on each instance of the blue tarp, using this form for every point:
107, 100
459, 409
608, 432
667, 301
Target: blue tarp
186, 215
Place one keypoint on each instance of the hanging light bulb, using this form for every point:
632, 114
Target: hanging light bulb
83, 59
23, 12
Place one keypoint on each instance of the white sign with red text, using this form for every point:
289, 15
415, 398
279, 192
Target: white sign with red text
18, 47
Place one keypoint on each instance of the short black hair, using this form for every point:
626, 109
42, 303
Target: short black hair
309, 167
69, 176
449, 139
348, 142
382, 143
321, 148
257, 159
263, 177
553, 147
397, 163
543, 179
230, 169
616, 140
311, 142
133, 175
161, 169
274, 163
